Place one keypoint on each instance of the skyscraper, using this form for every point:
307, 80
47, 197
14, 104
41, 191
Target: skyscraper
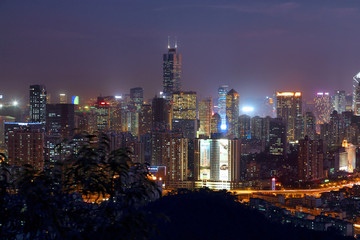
171, 72
309, 125
63, 98
323, 107
310, 159
339, 101
356, 94
215, 123
137, 97
232, 112
160, 114
37, 103
222, 91
289, 108
205, 113
60, 120
184, 105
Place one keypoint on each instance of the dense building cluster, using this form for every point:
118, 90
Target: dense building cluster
200, 142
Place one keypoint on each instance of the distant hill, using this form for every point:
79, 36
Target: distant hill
206, 214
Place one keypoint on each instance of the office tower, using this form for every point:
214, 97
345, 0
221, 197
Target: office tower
222, 91
215, 123
289, 108
244, 127
356, 94
323, 107
37, 103
276, 139
217, 160
188, 127
137, 97
309, 125
63, 98
310, 159
205, 113
232, 113
145, 119
339, 103
160, 114
108, 115
257, 128
184, 105
171, 72
25, 144
170, 150
60, 120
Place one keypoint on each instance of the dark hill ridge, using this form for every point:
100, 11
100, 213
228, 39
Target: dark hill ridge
206, 214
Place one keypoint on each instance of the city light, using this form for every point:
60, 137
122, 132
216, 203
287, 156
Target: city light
248, 109
15, 103
1, 105
223, 126
118, 97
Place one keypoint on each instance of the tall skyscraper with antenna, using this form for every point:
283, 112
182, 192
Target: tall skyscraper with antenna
171, 71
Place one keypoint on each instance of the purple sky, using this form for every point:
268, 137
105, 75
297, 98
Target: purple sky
92, 47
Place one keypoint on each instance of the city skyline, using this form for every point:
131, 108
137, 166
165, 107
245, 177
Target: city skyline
308, 46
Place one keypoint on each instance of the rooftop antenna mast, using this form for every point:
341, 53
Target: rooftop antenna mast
168, 42
175, 42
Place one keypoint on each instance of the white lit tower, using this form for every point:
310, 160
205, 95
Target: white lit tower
222, 92
356, 94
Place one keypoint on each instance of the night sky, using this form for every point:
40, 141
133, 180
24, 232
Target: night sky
92, 47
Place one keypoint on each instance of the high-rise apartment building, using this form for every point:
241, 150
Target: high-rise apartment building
184, 105
37, 103
171, 72
205, 113
222, 91
289, 108
145, 119
25, 144
232, 113
310, 159
309, 125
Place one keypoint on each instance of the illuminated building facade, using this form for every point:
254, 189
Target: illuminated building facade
309, 125
205, 113
289, 108
184, 105
276, 137
60, 120
215, 123
170, 150
257, 128
339, 101
25, 144
171, 72
221, 105
323, 107
356, 94
232, 113
347, 157
244, 127
217, 160
63, 98
310, 159
37, 104
145, 119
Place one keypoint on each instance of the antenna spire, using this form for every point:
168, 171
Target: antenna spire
175, 42
168, 41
